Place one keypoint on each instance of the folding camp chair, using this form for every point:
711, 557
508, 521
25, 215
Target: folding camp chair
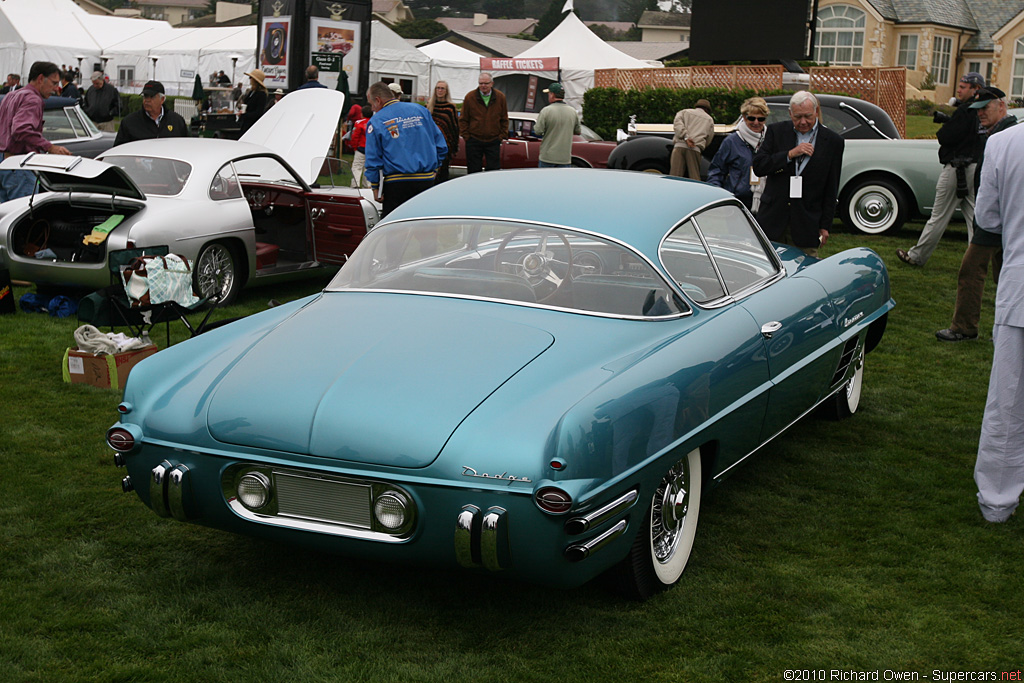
110, 305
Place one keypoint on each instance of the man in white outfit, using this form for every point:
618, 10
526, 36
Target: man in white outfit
999, 471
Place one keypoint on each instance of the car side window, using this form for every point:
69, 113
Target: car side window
225, 184
741, 255
688, 262
56, 126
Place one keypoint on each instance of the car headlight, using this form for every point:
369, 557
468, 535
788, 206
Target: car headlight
254, 490
391, 510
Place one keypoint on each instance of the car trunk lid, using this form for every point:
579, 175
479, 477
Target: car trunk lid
62, 173
388, 392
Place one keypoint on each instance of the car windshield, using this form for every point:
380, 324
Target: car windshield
589, 135
509, 262
154, 175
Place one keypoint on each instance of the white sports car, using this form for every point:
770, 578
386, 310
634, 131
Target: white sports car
239, 210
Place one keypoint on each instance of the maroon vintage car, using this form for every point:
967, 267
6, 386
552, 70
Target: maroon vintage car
522, 149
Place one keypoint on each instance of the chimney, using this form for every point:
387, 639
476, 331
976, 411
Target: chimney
479, 19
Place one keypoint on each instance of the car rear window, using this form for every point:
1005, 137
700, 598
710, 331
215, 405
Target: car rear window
510, 262
154, 175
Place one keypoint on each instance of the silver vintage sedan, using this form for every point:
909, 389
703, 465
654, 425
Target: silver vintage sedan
239, 210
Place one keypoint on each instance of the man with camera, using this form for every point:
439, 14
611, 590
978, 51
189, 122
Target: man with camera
959, 153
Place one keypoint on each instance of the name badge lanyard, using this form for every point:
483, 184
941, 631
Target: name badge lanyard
802, 161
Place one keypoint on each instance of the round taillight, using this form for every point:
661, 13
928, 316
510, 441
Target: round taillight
254, 490
555, 501
390, 510
120, 439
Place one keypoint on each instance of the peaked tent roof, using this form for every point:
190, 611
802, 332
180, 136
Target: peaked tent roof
450, 52
390, 54
577, 47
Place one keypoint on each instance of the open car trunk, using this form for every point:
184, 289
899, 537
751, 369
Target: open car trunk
56, 229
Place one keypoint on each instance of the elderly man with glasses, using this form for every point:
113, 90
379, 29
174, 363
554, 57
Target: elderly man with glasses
21, 127
802, 160
484, 124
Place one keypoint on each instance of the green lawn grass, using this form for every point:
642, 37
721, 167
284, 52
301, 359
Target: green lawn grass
921, 127
853, 545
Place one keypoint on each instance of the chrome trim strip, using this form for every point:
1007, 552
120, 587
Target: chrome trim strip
179, 492
494, 538
158, 489
583, 523
524, 304
464, 536
581, 551
311, 526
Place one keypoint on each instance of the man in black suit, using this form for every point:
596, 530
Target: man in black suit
801, 161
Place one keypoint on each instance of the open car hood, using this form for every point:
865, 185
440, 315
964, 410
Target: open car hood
299, 128
339, 380
60, 173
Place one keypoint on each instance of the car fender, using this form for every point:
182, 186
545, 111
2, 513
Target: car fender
857, 283
914, 164
639, 151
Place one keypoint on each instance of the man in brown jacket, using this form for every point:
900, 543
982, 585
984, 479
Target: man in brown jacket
484, 124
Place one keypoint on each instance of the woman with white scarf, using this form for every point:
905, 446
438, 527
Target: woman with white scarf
731, 167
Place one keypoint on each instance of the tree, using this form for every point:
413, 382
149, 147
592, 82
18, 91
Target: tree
419, 28
504, 9
550, 19
630, 10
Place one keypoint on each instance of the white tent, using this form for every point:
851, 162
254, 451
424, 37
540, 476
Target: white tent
393, 58
579, 52
182, 53
59, 31
453, 64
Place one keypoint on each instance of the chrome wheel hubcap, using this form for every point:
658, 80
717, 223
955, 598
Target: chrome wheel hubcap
671, 503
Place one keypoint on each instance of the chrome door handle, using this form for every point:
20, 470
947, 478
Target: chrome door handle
768, 329
317, 212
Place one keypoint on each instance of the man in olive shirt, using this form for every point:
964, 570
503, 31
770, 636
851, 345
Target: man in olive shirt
557, 123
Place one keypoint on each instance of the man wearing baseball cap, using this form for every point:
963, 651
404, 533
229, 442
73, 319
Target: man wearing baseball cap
959, 153
985, 246
557, 123
154, 120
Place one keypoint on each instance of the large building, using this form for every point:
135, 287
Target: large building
937, 40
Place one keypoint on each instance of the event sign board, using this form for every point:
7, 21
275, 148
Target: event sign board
331, 35
517, 64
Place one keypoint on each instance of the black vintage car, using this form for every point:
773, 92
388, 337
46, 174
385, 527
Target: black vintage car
649, 146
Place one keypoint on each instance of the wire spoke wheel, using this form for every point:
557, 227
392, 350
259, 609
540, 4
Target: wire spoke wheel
216, 273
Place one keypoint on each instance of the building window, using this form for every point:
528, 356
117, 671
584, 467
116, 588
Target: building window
840, 33
983, 67
907, 55
941, 54
1017, 82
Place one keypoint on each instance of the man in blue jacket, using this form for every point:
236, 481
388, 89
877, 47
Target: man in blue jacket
404, 148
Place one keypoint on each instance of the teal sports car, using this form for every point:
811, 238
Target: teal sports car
535, 373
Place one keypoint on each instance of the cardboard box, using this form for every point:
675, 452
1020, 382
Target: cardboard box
106, 372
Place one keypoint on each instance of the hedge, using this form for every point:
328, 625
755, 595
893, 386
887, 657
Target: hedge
133, 103
606, 109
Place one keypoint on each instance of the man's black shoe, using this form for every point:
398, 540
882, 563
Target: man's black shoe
949, 335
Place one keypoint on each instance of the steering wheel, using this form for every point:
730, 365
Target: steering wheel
546, 274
